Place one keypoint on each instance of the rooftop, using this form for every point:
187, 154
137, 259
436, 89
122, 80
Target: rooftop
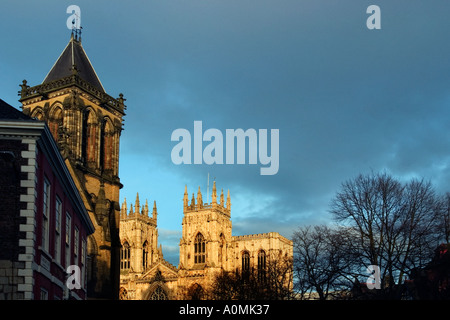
72, 60
9, 112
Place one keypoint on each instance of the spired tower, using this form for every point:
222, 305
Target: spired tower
86, 123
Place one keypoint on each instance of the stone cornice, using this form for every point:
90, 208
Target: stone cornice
44, 89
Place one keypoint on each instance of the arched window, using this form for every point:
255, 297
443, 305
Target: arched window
55, 121
262, 265
91, 139
123, 295
158, 294
195, 292
145, 255
107, 145
38, 114
125, 256
199, 249
222, 248
245, 261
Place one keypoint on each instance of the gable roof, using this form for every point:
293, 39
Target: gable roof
74, 55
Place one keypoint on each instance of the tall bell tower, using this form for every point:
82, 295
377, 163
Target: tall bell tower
205, 244
86, 123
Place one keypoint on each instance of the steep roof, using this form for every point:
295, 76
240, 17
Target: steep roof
74, 55
9, 112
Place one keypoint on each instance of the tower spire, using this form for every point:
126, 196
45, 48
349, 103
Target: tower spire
199, 199
155, 212
185, 198
145, 211
123, 212
222, 203
193, 202
137, 206
131, 210
228, 201
214, 194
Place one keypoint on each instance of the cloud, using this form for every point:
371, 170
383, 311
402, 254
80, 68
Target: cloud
345, 99
170, 240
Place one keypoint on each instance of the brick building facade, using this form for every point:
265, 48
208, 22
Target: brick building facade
43, 223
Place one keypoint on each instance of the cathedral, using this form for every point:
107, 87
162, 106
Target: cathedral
124, 259
207, 247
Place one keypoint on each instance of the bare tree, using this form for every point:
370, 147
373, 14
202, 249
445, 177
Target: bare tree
322, 258
444, 221
396, 223
272, 283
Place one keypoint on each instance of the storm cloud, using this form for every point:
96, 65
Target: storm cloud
346, 100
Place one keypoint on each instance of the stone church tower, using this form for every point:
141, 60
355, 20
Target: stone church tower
139, 237
143, 270
206, 239
86, 123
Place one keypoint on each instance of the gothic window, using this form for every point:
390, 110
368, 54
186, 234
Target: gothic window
125, 256
145, 255
55, 121
262, 265
123, 295
221, 249
107, 145
90, 140
199, 249
245, 261
158, 294
195, 292
38, 114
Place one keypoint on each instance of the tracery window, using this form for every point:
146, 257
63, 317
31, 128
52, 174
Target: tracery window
145, 255
262, 265
158, 294
199, 249
108, 145
55, 121
123, 295
90, 140
125, 256
222, 247
245, 261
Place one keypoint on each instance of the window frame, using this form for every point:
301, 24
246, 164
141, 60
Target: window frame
199, 249
58, 223
46, 213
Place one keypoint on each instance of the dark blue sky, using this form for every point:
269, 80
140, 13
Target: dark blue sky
346, 100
